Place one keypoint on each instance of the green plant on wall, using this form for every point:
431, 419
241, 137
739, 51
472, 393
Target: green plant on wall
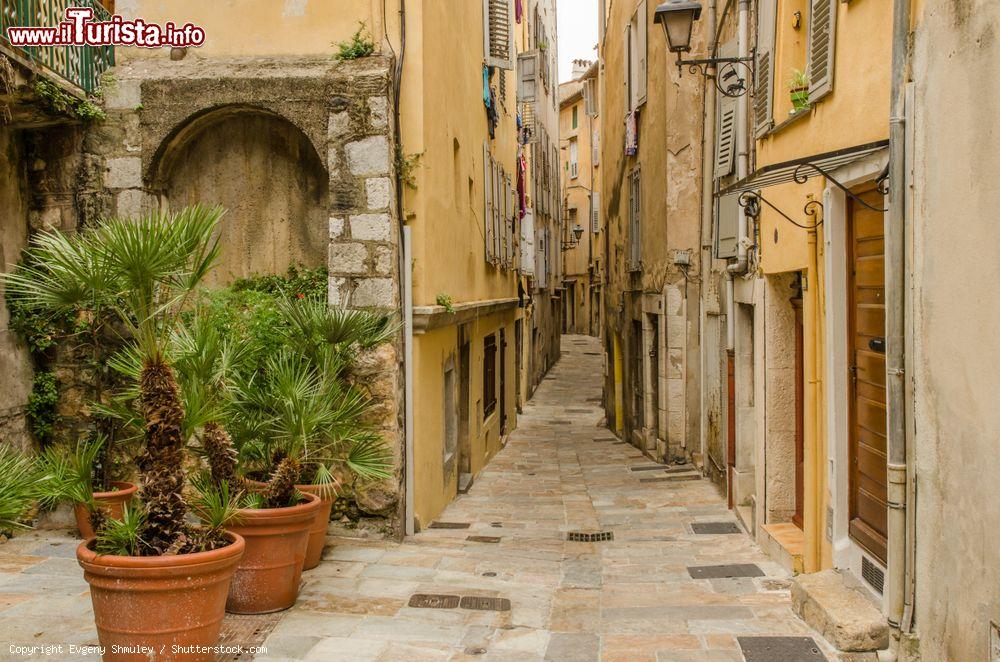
41, 407
58, 101
406, 166
446, 301
359, 45
798, 88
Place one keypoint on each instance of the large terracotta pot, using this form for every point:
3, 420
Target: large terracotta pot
112, 501
267, 579
317, 532
159, 602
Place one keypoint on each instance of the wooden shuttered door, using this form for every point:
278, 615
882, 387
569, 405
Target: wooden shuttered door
498, 33
866, 334
763, 86
822, 33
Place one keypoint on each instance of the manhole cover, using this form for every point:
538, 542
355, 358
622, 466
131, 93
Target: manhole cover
560, 422
479, 603
715, 528
244, 632
489, 574
581, 536
669, 479
648, 467
780, 649
489, 539
496, 525
605, 438
725, 571
578, 411
475, 651
449, 525
433, 601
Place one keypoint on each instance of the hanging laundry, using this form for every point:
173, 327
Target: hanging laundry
492, 117
486, 86
518, 11
522, 198
632, 133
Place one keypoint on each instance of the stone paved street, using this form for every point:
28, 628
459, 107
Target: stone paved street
631, 599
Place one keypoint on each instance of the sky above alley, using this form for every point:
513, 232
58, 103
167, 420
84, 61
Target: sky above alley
577, 24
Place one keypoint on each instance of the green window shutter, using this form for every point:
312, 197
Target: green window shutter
763, 88
822, 32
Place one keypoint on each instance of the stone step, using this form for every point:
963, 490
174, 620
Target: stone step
836, 605
785, 544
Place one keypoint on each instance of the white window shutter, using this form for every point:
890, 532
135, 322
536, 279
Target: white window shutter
595, 212
627, 64
527, 77
574, 159
591, 98
596, 146
763, 86
528, 242
488, 197
498, 33
822, 46
725, 138
497, 211
640, 43
587, 103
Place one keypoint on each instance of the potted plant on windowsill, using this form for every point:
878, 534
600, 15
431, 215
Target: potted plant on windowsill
798, 90
156, 579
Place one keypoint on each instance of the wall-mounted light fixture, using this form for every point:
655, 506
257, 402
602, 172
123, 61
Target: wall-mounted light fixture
677, 18
575, 241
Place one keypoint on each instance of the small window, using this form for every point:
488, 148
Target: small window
489, 374
576, 116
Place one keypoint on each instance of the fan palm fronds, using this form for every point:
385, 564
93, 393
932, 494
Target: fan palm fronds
17, 487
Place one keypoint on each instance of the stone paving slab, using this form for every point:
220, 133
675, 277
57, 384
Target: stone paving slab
629, 599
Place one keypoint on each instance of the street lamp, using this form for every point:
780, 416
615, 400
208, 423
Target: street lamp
677, 18
577, 235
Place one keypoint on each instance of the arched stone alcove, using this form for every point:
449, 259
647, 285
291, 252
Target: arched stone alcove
268, 176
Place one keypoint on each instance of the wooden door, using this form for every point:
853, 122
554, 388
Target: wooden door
800, 427
503, 382
866, 335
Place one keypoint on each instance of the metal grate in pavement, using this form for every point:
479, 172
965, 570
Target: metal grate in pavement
582, 536
647, 467
715, 528
241, 632
486, 539
480, 603
449, 525
668, 479
780, 649
433, 601
724, 571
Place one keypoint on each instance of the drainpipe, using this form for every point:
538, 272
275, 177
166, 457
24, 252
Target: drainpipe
895, 270
406, 290
741, 266
707, 216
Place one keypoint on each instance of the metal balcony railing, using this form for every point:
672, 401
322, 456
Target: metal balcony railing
80, 65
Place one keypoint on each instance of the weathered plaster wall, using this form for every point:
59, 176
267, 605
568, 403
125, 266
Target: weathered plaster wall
15, 363
779, 408
953, 321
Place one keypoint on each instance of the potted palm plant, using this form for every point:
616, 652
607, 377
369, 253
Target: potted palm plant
156, 578
17, 487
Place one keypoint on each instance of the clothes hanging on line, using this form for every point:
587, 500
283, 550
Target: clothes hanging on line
632, 133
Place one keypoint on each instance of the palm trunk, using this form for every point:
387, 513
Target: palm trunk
222, 457
163, 472
281, 488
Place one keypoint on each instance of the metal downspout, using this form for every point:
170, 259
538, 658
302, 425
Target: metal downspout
895, 266
707, 228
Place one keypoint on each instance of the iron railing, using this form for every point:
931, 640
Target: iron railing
80, 65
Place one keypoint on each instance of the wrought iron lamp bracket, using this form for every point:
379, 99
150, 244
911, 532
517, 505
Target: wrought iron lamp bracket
881, 184
750, 201
730, 79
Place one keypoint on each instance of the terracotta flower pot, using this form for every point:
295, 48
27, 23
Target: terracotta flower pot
317, 532
159, 602
267, 579
113, 501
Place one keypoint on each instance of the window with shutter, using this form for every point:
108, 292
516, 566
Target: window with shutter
725, 140
488, 197
595, 212
822, 33
763, 92
635, 221
727, 225
498, 34
527, 77
574, 163
497, 211
640, 59
596, 144
590, 97
627, 64
528, 242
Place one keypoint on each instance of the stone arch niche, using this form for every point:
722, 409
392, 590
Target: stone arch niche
268, 176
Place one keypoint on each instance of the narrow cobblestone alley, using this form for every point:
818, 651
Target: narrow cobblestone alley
627, 599
630, 599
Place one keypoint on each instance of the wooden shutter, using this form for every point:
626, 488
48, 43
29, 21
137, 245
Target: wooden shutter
727, 225
822, 32
528, 242
527, 77
497, 210
763, 88
627, 64
595, 212
591, 96
574, 159
488, 196
635, 221
725, 138
498, 35
640, 59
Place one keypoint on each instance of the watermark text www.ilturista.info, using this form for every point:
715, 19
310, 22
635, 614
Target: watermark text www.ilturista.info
80, 29
63, 651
